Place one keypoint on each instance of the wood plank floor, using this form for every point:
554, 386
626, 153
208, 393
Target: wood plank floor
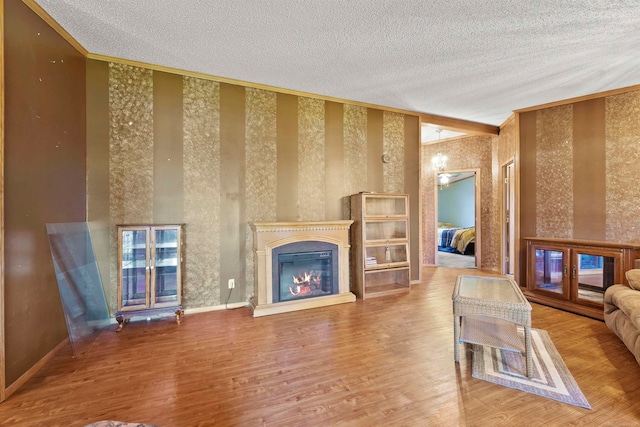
379, 362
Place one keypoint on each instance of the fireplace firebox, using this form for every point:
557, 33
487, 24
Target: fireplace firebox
300, 265
304, 270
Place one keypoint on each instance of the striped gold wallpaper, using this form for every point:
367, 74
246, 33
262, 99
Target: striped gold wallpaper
217, 156
201, 165
578, 165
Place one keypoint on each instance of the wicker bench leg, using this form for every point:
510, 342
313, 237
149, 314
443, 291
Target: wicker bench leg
527, 349
456, 338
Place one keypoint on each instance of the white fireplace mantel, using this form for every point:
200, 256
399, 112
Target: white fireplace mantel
270, 235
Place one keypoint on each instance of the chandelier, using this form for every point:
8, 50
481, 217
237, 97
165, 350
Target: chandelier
439, 161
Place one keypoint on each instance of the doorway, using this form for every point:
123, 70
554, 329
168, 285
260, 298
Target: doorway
457, 206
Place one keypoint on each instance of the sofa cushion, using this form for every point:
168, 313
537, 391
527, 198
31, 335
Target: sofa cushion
627, 300
633, 277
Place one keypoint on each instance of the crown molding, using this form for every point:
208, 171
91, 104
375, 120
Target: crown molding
441, 121
580, 99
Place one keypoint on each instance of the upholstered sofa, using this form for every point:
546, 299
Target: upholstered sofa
622, 311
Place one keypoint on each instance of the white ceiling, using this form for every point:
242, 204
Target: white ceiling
475, 60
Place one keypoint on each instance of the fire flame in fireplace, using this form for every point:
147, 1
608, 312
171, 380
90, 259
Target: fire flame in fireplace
305, 284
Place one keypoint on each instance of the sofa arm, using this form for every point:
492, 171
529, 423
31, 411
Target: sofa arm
609, 306
625, 299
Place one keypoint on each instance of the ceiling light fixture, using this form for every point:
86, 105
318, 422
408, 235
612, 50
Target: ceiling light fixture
439, 161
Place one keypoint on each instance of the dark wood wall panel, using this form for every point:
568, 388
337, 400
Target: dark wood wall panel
167, 148
334, 164
232, 186
589, 170
527, 184
411, 176
375, 149
44, 178
98, 209
287, 148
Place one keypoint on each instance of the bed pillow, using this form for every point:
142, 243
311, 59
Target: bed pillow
446, 225
633, 277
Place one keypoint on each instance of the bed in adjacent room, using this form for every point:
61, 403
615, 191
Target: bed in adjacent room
455, 239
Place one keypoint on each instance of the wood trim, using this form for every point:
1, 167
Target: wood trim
580, 98
3, 394
458, 125
477, 212
444, 122
441, 121
33, 370
502, 217
580, 243
517, 267
592, 312
478, 216
419, 222
412, 187
506, 123
38, 10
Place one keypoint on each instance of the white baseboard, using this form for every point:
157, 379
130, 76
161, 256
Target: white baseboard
216, 307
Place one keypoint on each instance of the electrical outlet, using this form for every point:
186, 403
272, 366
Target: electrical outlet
232, 283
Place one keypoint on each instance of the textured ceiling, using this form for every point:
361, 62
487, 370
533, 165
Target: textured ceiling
475, 60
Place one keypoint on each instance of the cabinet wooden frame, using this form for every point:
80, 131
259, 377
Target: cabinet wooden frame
617, 256
620, 256
152, 302
380, 244
531, 270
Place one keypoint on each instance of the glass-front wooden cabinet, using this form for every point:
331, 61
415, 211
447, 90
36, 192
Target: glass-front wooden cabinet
149, 271
574, 274
380, 244
549, 269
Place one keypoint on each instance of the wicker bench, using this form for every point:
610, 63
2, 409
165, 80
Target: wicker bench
487, 311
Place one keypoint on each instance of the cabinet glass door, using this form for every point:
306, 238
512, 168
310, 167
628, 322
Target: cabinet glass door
165, 278
385, 230
385, 206
592, 272
549, 271
386, 256
134, 268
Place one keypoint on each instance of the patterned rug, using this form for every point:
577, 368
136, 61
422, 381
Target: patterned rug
551, 378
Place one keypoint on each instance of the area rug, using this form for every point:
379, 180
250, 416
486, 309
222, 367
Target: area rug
551, 378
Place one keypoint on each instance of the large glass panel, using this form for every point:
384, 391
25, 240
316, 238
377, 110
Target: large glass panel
134, 268
83, 300
166, 266
595, 274
548, 271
